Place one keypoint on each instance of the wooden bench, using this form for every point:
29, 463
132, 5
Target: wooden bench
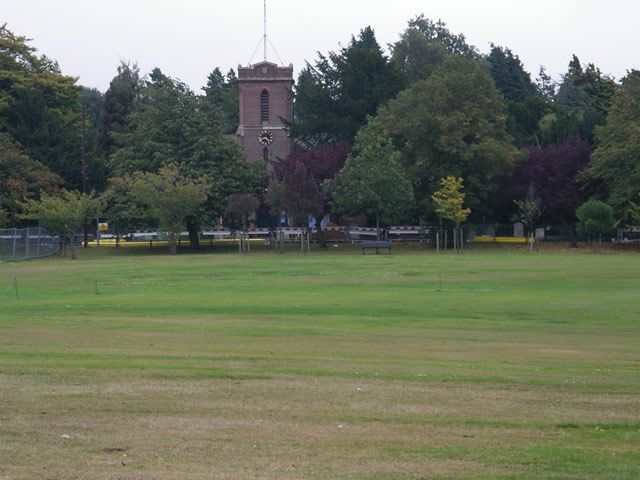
377, 244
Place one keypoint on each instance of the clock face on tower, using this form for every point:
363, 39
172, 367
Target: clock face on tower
265, 138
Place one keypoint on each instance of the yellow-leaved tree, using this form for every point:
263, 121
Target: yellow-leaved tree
449, 202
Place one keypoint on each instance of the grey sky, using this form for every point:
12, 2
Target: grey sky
188, 38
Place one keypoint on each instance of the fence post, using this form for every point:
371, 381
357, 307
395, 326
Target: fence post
39, 241
15, 238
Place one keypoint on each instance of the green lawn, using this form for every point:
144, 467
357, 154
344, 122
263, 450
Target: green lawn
337, 365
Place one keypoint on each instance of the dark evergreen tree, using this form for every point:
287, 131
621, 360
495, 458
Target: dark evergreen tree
509, 75
336, 94
586, 89
92, 102
525, 105
545, 84
222, 91
119, 101
581, 104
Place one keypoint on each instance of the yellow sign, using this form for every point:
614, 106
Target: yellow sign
103, 227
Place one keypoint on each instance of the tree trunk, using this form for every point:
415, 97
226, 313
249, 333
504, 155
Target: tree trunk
531, 240
321, 237
377, 226
573, 239
192, 228
172, 243
85, 234
455, 240
74, 254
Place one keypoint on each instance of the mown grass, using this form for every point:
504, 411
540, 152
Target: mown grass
337, 365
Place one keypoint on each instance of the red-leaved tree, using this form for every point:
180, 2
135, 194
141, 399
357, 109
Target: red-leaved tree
299, 179
552, 172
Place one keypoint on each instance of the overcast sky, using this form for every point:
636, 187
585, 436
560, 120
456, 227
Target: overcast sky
188, 38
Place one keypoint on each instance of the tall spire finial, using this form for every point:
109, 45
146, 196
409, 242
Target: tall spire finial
264, 38
265, 42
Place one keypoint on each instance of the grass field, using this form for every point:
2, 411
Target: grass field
415, 365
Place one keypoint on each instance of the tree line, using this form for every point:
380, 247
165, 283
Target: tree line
377, 132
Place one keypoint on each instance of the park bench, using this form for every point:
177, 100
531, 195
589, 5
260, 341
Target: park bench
377, 244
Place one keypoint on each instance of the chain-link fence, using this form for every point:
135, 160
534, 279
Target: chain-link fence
25, 243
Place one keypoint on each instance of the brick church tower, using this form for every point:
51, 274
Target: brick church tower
266, 99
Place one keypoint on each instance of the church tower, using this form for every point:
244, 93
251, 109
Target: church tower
266, 102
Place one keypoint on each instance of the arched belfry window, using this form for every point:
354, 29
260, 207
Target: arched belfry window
264, 106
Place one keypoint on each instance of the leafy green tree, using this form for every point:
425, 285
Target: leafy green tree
634, 212
372, 182
4, 218
524, 121
452, 123
173, 125
335, 95
64, 214
39, 107
122, 209
21, 178
615, 164
222, 91
425, 45
595, 218
239, 209
170, 198
449, 201
561, 124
